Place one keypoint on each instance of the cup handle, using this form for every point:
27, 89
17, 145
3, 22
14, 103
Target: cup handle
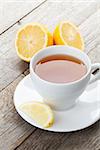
97, 75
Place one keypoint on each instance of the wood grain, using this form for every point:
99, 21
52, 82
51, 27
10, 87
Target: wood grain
11, 12
52, 13
10, 68
43, 140
87, 139
13, 129
90, 31
95, 55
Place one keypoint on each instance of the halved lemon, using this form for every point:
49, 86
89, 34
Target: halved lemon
39, 112
32, 38
67, 33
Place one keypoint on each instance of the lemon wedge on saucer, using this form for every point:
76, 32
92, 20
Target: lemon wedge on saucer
39, 112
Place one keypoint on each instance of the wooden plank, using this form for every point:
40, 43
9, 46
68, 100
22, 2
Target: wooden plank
43, 140
52, 14
55, 12
13, 129
90, 31
10, 68
87, 139
12, 11
95, 55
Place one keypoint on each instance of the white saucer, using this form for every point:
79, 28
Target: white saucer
83, 114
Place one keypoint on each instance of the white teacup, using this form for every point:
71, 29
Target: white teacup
62, 96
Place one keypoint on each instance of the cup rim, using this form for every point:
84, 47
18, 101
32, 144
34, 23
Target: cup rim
60, 84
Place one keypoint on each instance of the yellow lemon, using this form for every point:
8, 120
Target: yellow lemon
67, 33
32, 38
39, 112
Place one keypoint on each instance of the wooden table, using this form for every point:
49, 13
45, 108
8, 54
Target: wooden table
15, 133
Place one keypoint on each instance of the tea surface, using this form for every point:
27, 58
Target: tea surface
60, 68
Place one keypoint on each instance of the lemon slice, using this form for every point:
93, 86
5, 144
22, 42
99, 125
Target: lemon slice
30, 39
39, 112
67, 33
